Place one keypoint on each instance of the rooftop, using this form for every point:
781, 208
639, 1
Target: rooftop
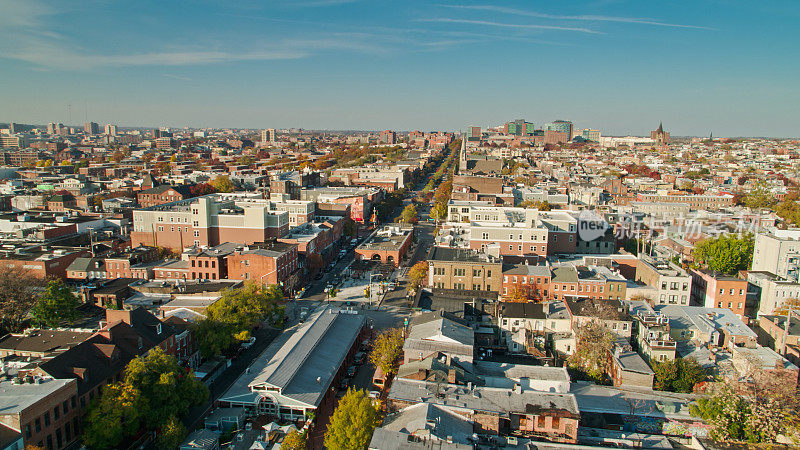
460, 255
15, 398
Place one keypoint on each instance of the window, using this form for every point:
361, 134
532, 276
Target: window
56, 413
47, 419
27, 431
721, 291
488, 274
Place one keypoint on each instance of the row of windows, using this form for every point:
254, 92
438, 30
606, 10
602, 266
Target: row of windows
733, 291
673, 286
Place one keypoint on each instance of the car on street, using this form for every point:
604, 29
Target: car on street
249, 343
345, 383
359, 358
351, 371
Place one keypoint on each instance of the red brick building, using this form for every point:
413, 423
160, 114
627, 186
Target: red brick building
275, 263
162, 194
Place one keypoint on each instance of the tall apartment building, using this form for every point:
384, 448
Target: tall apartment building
91, 128
673, 284
778, 252
591, 135
268, 135
13, 141
464, 269
209, 220
520, 127
110, 130
388, 137
561, 126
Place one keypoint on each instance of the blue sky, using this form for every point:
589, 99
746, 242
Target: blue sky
727, 66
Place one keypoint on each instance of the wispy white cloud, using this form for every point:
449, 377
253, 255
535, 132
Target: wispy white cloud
584, 17
510, 25
176, 77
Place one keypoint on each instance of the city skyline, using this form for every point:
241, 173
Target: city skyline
621, 67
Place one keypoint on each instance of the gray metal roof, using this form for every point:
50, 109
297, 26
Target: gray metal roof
496, 400
299, 357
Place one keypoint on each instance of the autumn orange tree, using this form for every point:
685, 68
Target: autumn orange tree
417, 275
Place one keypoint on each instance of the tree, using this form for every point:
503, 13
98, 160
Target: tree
593, 350
18, 288
353, 422
171, 435
438, 212
115, 416
759, 197
387, 349
727, 253
237, 310
223, 184
295, 440
678, 375
169, 389
409, 214
349, 228
198, 190
56, 306
418, 275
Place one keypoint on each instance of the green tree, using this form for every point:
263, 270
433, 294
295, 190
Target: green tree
409, 214
171, 435
236, 311
56, 306
678, 375
168, 389
223, 183
353, 422
727, 253
759, 197
295, 440
114, 417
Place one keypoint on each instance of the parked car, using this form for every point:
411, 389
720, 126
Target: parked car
345, 383
249, 343
351, 371
359, 358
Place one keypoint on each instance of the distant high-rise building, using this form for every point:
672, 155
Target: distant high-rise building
474, 133
660, 136
59, 129
268, 135
591, 135
562, 126
13, 128
520, 127
388, 137
111, 130
51, 128
91, 128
